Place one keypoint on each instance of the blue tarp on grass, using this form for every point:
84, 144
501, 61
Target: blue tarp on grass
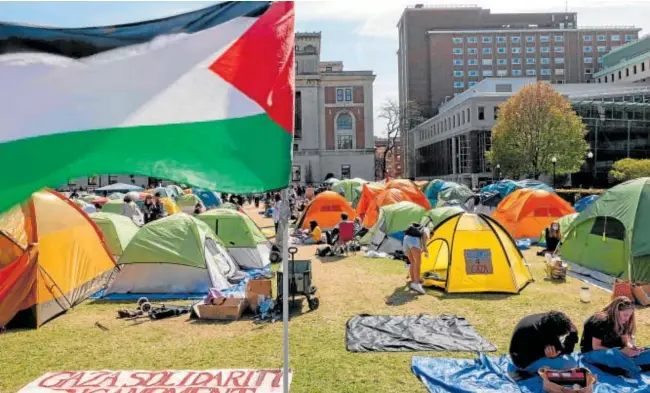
491, 375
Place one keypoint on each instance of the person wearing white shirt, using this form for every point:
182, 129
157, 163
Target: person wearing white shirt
276, 211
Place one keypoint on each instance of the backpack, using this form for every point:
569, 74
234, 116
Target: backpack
324, 251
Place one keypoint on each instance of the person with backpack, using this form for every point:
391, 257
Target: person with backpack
414, 244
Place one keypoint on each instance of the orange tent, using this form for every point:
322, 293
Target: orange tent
412, 190
57, 258
385, 198
326, 210
368, 193
526, 213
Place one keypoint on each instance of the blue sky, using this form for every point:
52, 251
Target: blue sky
361, 33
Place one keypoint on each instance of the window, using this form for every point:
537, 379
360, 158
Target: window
530, 49
501, 51
458, 40
297, 127
463, 112
487, 51
487, 62
530, 60
458, 51
642, 66
531, 72
589, 60
458, 73
602, 49
502, 72
516, 60
559, 38
501, 39
587, 49
481, 113
471, 40
545, 71
559, 71
559, 60
605, 79
295, 172
601, 38
586, 38
340, 94
516, 72
616, 37
629, 37
587, 71
344, 142
472, 84
112, 179
545, 60
515, 40
530, 38
458, 62
345, 172
627, 72
473, 73
487, 72
516, 49
545, 49
344, 122
472, 51
458, 85
487, 40
544, 38
559, 49
472, 62
502, 61
348, 94
620, 76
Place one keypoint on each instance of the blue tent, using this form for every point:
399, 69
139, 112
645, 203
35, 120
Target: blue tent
585, 202
435, 187
534, 185
506, 187
209, 198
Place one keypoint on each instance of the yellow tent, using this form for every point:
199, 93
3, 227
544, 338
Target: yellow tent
473, 253
170, 206
57, 259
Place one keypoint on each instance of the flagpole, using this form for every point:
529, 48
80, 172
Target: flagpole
283, 228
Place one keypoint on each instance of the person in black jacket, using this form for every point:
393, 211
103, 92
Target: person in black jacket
543, 340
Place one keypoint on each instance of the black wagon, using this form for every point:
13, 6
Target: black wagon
300, 281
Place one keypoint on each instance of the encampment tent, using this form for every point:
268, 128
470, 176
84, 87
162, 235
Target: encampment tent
388, 233
584, 203
117, 229
52, 257
174, 255
118, 187
210, 199
506, 187
116, 195
387, 197
412, 190
473, 253
433, 189
433, 217
170, 206
86, 207
244, 240
368, 193
164, 192
525, 212
611, 238
326, 210
350, 189
188, 202
454, 192
176, 190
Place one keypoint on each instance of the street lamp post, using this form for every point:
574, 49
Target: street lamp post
590, 155
554, 161
498, 172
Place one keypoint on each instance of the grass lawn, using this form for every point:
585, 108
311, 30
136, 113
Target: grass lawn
347, 287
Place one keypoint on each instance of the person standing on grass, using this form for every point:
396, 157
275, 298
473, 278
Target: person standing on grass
414, 244
276, 211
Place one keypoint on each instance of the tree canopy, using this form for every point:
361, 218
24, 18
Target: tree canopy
397, 117
629, 168
533, 126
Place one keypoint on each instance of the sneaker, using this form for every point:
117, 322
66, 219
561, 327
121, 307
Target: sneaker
417, 288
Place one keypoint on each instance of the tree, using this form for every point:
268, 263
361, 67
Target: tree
535, 125
629, 168
397, 117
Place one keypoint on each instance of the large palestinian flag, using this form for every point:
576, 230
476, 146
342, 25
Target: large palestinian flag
204, 98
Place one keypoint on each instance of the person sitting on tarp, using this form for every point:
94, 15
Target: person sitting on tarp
543, 340
608, 340
316, 234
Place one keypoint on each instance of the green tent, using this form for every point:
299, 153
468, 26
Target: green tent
433, 217
387, 234
113, 206
610, 238
565, 223
229, 205
88, 198
187, 202
174, 255
457, 192
244, 240
351, 189
117, 229
117, 195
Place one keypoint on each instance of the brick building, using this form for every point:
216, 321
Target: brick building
445, 50
393, 159
334, 117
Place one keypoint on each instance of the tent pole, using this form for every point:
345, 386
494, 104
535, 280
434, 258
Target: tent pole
283, 228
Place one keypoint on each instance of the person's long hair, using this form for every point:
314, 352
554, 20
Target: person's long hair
556, 233
611, 313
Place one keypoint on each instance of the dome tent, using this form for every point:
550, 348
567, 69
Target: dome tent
584, 203
433, 217
368, 193
188, 202
412, 190
454, 192
326, 210
610, 238
350, 189
176, 255
117, 229
388, 233
473, 253
387, 197
244, 240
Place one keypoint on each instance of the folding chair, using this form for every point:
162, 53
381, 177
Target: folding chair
346, 237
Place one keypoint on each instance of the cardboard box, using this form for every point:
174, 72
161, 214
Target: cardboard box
230, 310
255, 289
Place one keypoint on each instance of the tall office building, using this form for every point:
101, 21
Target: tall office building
445, 50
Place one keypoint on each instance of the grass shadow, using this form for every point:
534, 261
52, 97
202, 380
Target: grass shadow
400, 296
331, 259
554, 281
476, 296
